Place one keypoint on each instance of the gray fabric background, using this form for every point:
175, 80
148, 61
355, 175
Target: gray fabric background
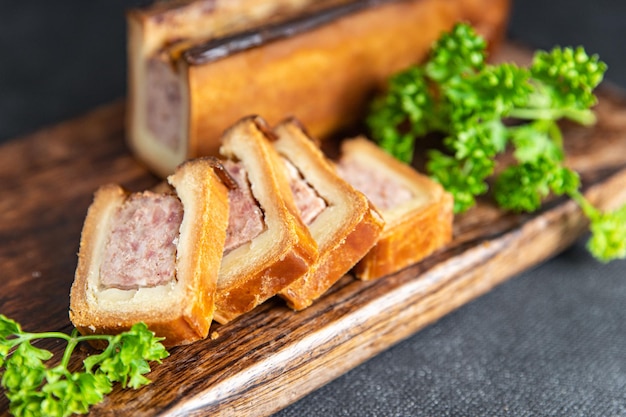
550, 342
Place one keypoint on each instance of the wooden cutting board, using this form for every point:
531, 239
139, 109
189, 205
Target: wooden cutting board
272, 356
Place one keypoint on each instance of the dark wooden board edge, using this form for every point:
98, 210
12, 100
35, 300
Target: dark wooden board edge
271, 357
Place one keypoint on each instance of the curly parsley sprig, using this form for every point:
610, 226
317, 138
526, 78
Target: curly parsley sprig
459, 95
34, 389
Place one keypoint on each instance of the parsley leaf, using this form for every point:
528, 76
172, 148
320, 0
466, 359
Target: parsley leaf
33, 389
608, 229
470, 102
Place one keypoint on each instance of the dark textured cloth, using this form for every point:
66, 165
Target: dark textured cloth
551, 341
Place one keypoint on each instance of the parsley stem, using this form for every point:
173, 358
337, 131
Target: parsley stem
72, 341
46, 335
585, 117
71, 344
556, 134
590, 211
25, 336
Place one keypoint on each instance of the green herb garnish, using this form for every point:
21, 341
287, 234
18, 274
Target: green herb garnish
34, 389
458, 94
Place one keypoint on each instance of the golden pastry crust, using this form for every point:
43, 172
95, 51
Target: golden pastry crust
344, 231
176, 25
180, 311
285, 250
323, 76
415, 228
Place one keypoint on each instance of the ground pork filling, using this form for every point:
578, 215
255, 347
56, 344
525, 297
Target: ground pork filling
309, 203
163, 103
245, 217
141, 248
379, 187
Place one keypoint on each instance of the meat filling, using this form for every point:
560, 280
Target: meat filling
141, 248
309, 203
163, 101
380, 188
245, 218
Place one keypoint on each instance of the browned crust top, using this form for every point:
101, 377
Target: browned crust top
222, 47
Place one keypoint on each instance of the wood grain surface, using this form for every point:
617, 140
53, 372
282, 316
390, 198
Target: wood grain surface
270, 357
